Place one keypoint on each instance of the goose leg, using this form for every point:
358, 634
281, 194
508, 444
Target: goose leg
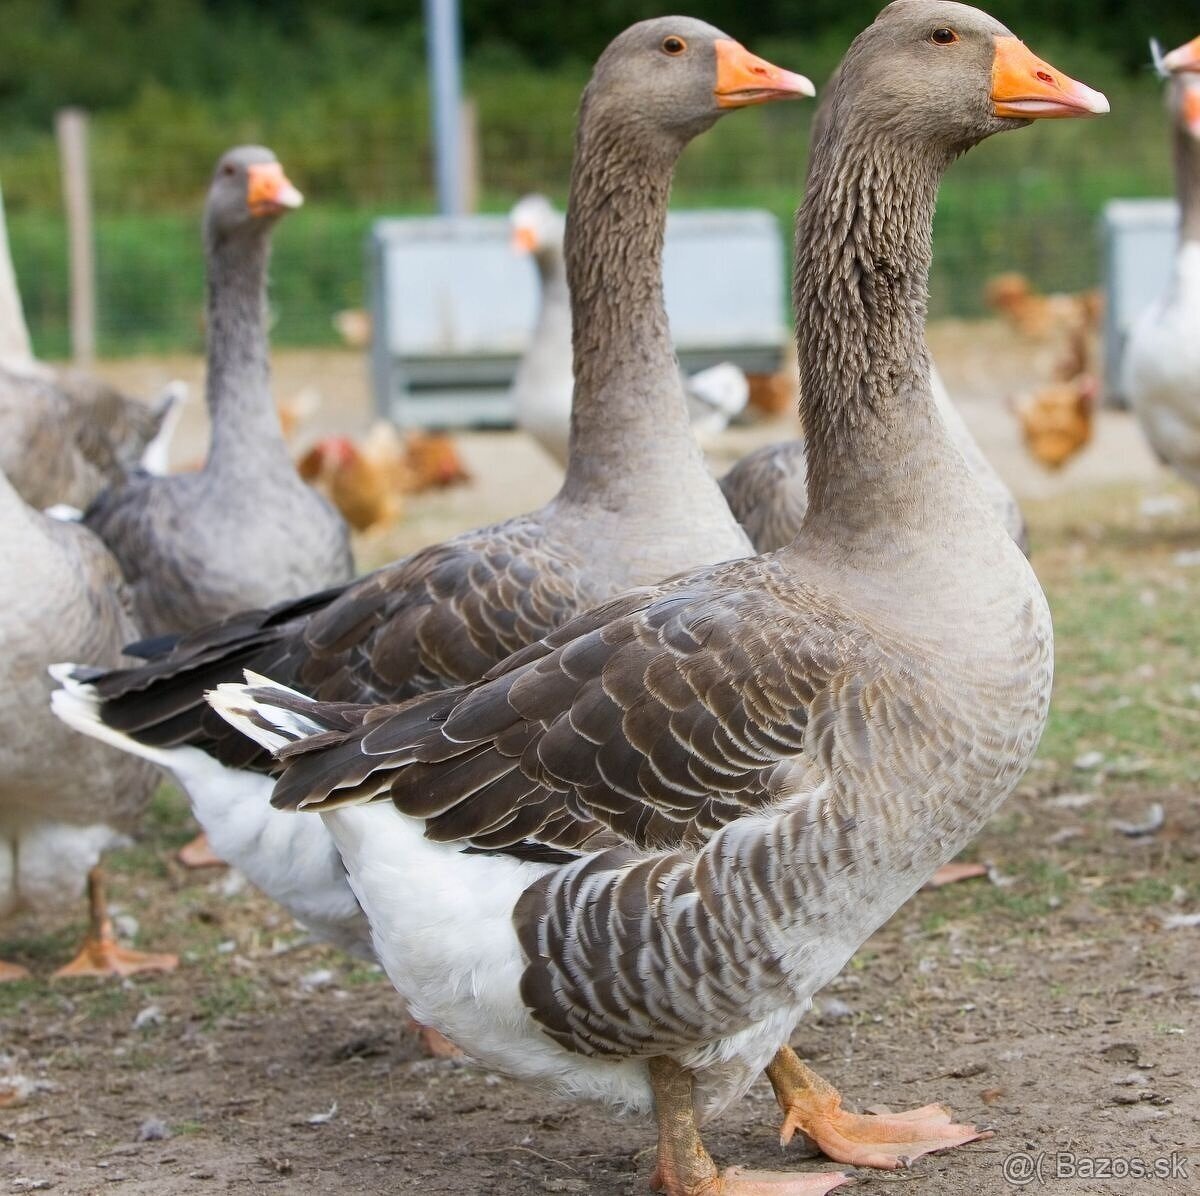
12, 971
101, 954
685, 1168
197, 853
434, 1043
813, 1106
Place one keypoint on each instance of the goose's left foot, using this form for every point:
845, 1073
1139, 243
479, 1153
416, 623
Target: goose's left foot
434, 1043
813, 1106
685, 1168
12, 971
199, 854
101, 954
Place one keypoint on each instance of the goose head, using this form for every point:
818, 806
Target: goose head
1185, 60
1183, 96
249, 191
947, 74
536, 227
671, 78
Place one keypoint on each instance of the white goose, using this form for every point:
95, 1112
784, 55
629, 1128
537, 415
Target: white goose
623, 864
1162, 361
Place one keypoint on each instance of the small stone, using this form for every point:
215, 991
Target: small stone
319, 978
153, 1129
1089, 761
152, 1015
834, 1010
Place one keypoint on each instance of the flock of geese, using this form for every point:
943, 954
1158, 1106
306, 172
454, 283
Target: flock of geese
604, 831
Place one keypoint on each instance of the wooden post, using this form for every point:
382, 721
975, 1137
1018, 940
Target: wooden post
469, 148
71, 127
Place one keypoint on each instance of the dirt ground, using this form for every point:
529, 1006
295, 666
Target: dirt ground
1056, 1001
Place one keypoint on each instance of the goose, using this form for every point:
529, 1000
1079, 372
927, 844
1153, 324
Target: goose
244, 530
66, 434
622, 863
63, 801
637, 502
1162, 361
544, 380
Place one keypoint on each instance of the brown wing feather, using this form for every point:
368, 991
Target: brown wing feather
440, 617
660, 716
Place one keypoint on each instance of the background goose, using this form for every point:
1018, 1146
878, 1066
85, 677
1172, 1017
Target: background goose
623, 864
63, 802
1162, 363
637, 503
767, 490
65, 434
244, 530
544, 381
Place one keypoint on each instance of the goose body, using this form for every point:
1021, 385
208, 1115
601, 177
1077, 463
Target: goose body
63, 801
244, 531
65, 434
1162, 362
637, 503
623, 862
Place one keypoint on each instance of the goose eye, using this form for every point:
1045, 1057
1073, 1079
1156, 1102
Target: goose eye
674, 46
943, 37
229, 169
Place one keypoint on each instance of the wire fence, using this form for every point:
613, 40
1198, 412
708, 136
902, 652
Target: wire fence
1027, 202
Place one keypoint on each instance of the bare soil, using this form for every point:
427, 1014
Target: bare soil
1056, 1002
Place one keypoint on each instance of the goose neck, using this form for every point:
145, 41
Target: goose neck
879, 458
628, 414
1187, 180
238, 391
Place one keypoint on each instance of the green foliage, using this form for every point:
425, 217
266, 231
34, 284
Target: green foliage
339, 93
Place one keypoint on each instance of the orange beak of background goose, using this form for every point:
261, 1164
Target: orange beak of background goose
524, 239
744, 79
269, 191
1025, 87
1185, 60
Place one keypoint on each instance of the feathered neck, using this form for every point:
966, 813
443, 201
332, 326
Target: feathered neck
629, 414
245, 425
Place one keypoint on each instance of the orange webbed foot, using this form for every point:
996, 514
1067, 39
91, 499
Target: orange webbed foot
106, 957
12, 971
887, 1141
198, 853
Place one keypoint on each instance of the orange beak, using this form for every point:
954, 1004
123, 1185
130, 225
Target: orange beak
1191, 110
269, 191
1185, 60
1025, 87
524, 239
744, 79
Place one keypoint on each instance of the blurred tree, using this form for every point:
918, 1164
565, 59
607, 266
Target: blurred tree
101, 53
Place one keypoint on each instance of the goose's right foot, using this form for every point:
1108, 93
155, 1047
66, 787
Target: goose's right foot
199, 854
813, 1106
12, 971
685, 1168
433, 1042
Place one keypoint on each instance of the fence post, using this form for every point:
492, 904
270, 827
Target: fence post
470, 150
72, 129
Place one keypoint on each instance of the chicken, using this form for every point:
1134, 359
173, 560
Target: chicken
434, 461
367, 482
1042, 317
1056, 419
